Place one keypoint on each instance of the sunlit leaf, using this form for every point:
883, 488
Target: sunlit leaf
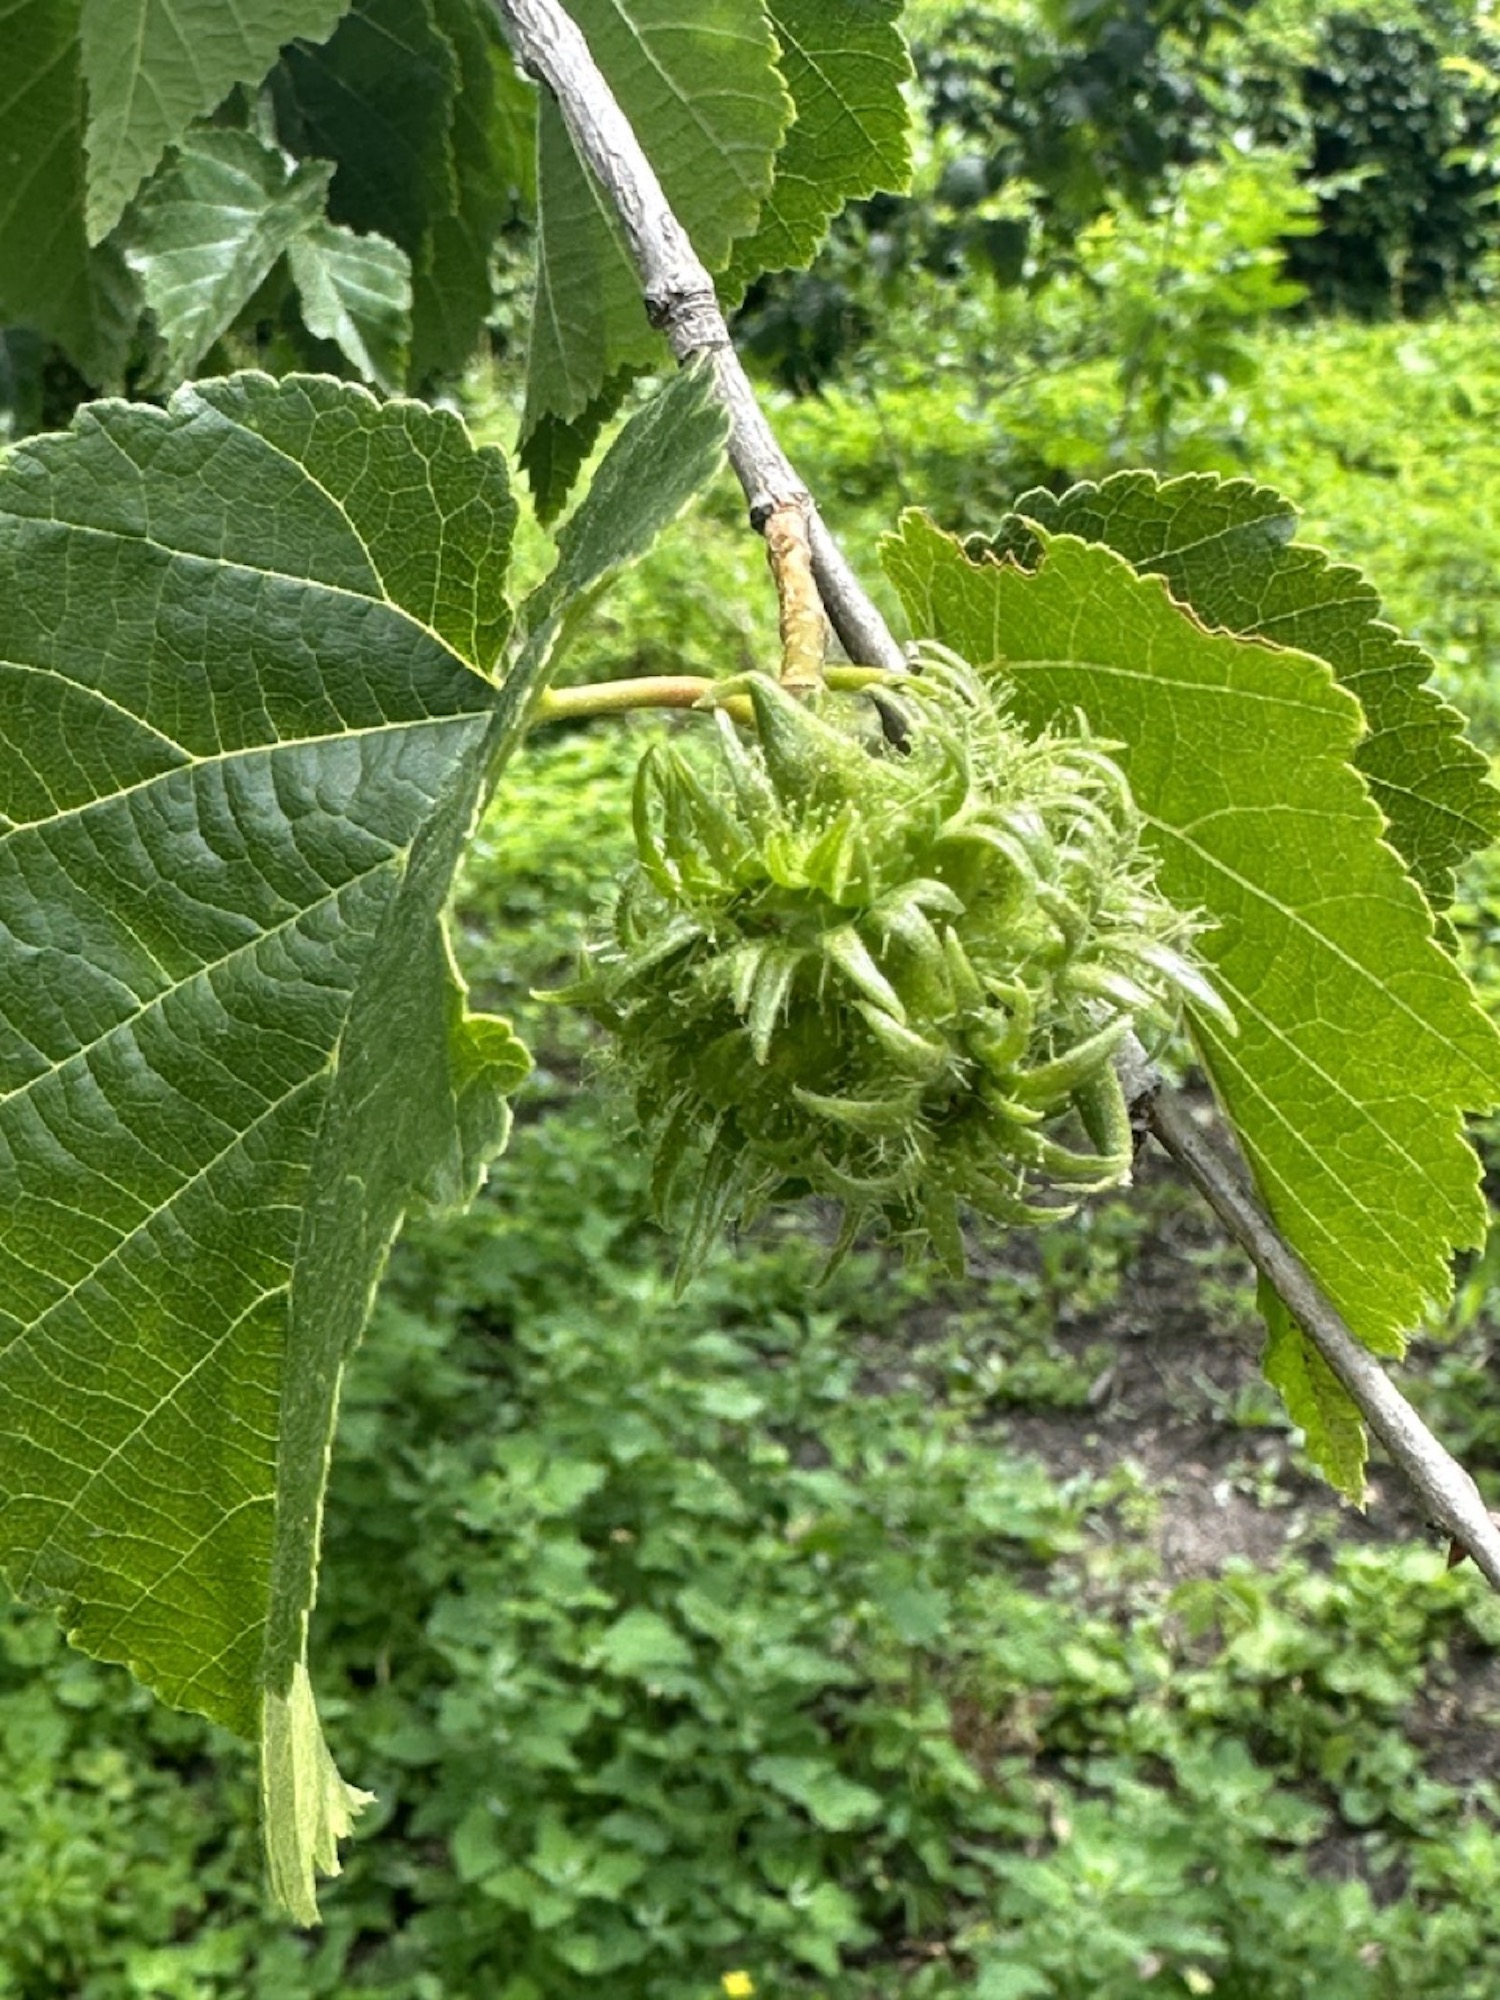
1360, 1044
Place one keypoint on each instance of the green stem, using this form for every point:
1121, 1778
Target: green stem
855, 680
621, 697
624, 697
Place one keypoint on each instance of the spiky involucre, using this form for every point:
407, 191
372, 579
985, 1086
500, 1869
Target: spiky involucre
894, 977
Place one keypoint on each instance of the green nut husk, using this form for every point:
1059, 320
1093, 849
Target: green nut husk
896, 979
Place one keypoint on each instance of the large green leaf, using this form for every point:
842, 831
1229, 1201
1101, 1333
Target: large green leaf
50, 279
1359, 1044
702, 91
1228, 548
153, 66
207, 230
845, 63
248, 642
246, 636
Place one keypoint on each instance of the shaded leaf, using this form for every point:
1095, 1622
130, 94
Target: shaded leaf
153, 66
1228, 548
50, 278
407, 99
377, 99
454, 294
1360, 1044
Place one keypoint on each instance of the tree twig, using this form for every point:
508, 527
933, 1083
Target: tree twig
681, 301
1447, 1492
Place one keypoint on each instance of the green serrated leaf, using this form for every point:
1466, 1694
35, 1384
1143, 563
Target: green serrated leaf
1360, 1044
50, 278
356, 292
1316, 1400
825, 1794
249, 635
845, 64
1228, 548
206, 231
377, 99
703, 93
454, 295
153, 66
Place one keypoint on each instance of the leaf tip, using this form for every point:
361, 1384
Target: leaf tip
307, 1807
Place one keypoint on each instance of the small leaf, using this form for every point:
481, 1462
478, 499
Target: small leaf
207, 230
1316, 1400
153, 66
356, 292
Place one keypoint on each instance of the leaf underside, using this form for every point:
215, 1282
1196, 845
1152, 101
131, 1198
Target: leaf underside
1360, 1044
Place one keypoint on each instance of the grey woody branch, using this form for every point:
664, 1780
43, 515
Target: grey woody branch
680, 300
1449, 1495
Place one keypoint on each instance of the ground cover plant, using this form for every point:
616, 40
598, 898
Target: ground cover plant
270, 674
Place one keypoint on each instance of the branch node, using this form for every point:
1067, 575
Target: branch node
689, 316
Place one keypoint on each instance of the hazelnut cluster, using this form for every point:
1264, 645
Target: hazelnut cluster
894, 975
